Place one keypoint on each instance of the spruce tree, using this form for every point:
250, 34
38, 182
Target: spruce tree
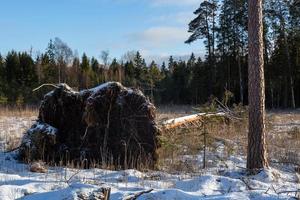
85, 70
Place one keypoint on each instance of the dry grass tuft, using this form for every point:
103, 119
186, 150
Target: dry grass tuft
27, 111
13, 123
283, 137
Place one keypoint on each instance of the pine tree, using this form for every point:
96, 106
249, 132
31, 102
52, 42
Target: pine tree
232, 46
204, 27
256, 158
278, 14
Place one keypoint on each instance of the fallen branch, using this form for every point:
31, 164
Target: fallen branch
73, 175
136, 195
43, 85
223, 106
225, 109
247, 184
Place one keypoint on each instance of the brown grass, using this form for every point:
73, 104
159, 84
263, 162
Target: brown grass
13, 123
283, 136
26, 111
172, 111
181, 148
283, 141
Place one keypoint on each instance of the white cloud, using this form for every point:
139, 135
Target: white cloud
182, 18
160, 36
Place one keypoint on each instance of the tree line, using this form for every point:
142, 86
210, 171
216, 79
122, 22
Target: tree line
221, 24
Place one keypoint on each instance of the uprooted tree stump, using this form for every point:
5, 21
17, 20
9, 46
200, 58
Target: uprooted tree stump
108, 125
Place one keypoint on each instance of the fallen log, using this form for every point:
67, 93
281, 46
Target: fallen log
190, 119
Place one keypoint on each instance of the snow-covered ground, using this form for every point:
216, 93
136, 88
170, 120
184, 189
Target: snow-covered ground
226, 180
16, 181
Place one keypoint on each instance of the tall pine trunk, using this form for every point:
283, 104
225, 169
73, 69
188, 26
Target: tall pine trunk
209, 46
257, 156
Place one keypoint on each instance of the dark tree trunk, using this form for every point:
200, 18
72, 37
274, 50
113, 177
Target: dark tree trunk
208, 37
288, 57
241, 81
257, 156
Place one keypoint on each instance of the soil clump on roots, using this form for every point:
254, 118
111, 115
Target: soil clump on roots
109, 125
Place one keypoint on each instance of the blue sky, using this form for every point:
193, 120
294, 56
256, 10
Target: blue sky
157, 28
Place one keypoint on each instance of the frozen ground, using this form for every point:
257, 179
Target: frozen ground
227, 180
16, 182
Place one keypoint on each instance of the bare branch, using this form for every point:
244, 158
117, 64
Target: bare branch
43, 85
136, 195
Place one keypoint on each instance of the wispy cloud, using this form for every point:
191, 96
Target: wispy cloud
181, 18
159, 36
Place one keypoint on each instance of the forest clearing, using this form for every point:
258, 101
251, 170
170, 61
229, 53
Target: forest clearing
180, 173
155, 100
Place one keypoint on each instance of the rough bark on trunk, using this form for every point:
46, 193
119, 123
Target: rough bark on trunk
257, 156
209, 55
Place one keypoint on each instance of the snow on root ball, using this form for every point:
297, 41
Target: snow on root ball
108, 125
